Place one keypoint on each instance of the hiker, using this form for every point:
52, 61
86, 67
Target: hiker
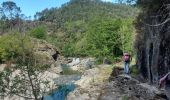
165, 81
126, 59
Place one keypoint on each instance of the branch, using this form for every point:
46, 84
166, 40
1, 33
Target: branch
155, 25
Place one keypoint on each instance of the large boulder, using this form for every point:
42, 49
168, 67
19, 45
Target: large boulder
44, 51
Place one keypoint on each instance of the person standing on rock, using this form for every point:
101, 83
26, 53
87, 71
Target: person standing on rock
126, 59
165, 81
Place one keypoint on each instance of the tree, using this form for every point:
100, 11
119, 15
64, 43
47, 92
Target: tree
10, 9
127, 35
11, 13
22, 75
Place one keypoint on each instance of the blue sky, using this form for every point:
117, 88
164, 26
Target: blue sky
30, 7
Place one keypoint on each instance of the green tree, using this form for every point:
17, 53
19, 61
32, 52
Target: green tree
127, 33
10, 9
22, 76
10, 15
11, 47
104, 38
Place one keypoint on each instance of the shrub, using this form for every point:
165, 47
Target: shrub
39, 32
11, 46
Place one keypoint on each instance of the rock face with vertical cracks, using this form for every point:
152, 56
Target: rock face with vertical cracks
153, 39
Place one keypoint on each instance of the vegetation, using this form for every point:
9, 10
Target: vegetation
21, 75
79, 28
11, 46
39, 32
91, 28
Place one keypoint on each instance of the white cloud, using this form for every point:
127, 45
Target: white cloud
107, 0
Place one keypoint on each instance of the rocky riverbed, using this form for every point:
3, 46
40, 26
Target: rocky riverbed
94, 85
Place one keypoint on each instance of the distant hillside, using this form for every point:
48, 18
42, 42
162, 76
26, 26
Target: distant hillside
90, 27
85, 10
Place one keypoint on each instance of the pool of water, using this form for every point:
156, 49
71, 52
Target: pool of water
61, 92
66, 85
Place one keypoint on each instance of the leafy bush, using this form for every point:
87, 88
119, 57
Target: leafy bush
11, 46
3, 54
39, 32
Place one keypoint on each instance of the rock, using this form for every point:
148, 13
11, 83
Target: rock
43, 76
48, 76
125, 86
83, 96
90, 84
75, 67
75, 61
45, 51
106, 61
56, 67
120, 87
2, 66
82, 64
13, 98
88, 77
115, 72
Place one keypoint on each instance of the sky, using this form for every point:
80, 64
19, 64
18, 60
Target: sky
30, 7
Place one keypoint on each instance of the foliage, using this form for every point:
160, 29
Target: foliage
10, 9
22, 77
84, 10
110, 38
10, 16
93, 28
127, 32
104, 39
68, 50
11, 46
39, 32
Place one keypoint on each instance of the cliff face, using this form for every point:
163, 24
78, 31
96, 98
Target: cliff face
152, 43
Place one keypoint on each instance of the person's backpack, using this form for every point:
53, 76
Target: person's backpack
126, 57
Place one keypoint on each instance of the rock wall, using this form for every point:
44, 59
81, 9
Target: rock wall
152, 42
